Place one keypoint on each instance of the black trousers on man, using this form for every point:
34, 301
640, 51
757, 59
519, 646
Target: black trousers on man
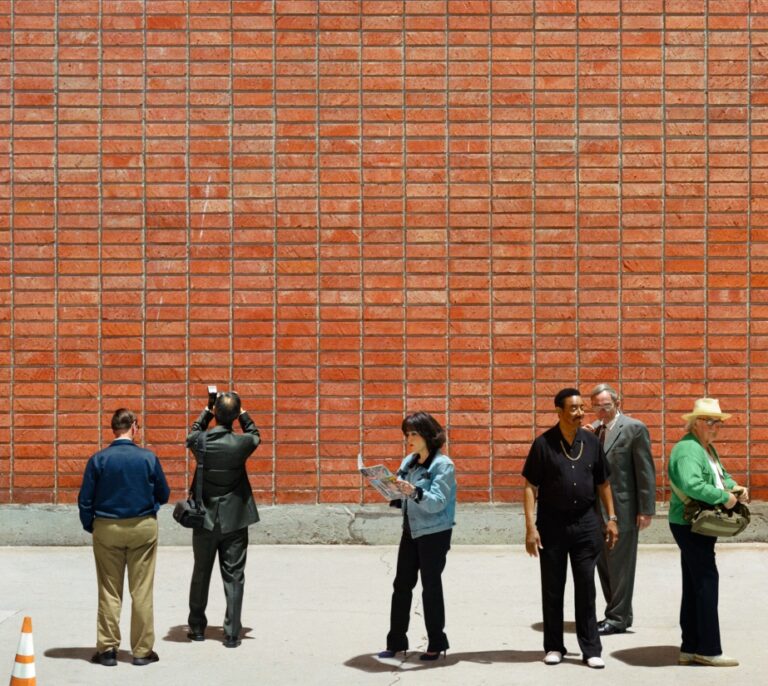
578, 537
425, 554
699, 618
232, 549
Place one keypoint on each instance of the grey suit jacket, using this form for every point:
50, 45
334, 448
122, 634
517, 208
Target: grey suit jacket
633, 475
227, 493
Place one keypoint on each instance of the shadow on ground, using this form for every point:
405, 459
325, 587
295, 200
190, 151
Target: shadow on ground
84, 654
568, 627
178, 634
372, 664
645, 656
648, 656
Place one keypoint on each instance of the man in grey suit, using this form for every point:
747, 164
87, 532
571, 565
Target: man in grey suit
627, 447
229, 510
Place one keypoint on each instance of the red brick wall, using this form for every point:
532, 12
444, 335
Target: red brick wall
351, 209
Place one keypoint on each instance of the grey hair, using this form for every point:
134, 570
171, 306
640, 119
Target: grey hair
690, 423
600, 388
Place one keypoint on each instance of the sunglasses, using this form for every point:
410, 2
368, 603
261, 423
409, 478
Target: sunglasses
711, 422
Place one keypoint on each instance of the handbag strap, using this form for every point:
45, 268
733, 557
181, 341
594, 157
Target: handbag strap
201, 445
679, 493
718, 465
682, 495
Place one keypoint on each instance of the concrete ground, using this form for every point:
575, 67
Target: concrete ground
329, 524
317, 614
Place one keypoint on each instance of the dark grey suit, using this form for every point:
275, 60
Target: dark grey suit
230, 509
633, 484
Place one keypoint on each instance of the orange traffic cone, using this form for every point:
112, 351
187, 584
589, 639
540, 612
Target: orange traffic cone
24, 667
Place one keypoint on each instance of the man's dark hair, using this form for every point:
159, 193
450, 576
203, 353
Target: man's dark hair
227, 408
122, 420
427, 427
565, 393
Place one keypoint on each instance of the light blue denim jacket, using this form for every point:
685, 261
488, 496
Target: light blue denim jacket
435, 509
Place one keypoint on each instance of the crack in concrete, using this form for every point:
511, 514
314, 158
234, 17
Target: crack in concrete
387, 564
352, 536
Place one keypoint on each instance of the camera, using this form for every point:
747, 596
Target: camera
212, 395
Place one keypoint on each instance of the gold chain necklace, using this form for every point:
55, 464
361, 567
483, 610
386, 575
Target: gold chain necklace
567, 454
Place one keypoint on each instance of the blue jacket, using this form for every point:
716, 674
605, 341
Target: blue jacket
120, 482
433, 506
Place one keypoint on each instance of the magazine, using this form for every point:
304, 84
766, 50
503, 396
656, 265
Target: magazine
384, 481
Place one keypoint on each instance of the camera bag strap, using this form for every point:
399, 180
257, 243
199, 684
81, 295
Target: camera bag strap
201, 445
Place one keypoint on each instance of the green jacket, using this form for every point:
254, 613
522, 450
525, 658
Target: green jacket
689, 470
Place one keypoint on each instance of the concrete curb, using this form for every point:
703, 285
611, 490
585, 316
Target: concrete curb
477, 524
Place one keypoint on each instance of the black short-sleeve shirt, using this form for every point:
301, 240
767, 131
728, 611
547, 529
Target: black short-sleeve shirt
566, 485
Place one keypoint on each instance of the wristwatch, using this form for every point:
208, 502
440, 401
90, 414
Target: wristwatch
613, 518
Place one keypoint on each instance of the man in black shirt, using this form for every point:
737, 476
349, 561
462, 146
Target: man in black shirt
566, 471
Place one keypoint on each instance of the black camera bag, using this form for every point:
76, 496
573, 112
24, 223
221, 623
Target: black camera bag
190, 513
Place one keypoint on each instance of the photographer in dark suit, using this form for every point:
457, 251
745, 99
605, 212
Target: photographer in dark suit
230, 509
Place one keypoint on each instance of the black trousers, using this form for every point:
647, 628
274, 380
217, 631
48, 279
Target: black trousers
232, 549
579, 538
425, 554
699, 619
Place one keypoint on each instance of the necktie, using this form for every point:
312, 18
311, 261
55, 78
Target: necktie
600, 433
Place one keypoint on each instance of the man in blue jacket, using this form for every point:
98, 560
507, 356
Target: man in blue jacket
123, 488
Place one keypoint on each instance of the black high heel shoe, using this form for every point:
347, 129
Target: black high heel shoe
392, 653
431, 657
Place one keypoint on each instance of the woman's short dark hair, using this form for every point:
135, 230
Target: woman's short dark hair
427, 427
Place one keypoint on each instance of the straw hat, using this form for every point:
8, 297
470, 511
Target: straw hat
707, 407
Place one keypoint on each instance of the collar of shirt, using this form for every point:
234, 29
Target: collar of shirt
576, 439
611, 424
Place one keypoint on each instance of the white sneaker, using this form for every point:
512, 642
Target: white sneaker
594, 662
716, 660
553, 657
685, 658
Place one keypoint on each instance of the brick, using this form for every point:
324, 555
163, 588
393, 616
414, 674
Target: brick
401, 197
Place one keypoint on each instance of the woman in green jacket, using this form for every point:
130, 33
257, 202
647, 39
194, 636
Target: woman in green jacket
695, 470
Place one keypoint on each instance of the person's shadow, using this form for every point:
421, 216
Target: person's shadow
84, 654
644, 656
648, 656
372, 664
178, 634
175, 634
568, 627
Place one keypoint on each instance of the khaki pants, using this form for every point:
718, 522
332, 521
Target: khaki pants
117, 544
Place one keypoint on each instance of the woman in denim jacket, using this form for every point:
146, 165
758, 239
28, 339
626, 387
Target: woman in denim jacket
427, 480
